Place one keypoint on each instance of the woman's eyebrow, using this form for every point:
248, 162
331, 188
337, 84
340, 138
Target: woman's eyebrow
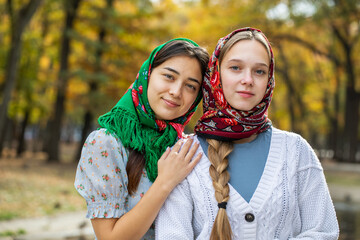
176, 72
194, 80
263, 64
172, 70
239, 60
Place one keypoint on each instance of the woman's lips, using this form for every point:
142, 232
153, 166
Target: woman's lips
170, 103
245, 94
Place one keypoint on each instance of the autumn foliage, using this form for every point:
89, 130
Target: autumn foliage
63, 63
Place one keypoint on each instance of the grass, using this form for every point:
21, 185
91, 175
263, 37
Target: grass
31, 187
11, 233
342, 178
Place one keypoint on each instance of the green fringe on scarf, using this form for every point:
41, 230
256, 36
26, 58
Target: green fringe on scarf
139, 137
135, 124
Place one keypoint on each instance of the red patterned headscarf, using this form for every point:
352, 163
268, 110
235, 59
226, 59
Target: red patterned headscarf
221, 121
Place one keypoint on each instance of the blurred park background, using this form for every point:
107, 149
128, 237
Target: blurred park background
65, 62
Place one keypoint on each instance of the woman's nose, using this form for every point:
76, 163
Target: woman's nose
247, 77
175, 90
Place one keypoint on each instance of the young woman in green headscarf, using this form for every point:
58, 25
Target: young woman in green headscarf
127, 169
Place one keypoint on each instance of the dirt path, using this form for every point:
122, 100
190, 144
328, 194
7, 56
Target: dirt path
51, 186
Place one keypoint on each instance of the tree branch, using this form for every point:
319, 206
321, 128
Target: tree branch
308, 45
10, 10
339, 36
26, 13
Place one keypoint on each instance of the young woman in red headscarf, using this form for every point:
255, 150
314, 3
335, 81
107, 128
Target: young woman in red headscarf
253, 181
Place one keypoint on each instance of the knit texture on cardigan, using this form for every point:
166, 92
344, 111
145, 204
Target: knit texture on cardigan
292, 200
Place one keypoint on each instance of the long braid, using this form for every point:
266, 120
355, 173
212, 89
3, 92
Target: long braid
218, 152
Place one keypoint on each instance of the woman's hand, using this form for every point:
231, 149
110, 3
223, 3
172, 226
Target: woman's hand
175, 164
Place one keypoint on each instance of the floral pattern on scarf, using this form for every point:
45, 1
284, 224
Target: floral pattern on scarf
221, 121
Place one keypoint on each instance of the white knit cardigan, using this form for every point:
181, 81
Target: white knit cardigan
292, 200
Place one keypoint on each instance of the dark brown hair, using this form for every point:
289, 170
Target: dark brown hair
134, 168
136, 160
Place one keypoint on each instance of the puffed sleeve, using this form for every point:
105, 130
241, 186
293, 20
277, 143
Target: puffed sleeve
318, 217
174, 220
101, 175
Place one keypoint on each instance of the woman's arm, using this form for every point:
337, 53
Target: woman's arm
317, 213
173, 167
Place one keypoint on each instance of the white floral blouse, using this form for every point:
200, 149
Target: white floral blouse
102, 180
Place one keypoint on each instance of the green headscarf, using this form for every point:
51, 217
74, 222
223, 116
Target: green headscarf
133, 120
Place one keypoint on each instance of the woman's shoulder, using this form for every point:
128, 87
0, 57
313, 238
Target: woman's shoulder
204, 163
102, 141
299, 146
288, 136
103, 136
284, 132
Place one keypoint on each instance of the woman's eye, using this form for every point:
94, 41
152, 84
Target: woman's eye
234, 68
260, 72
168, 76
192, 87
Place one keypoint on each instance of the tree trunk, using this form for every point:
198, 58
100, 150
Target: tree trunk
351, 127
293, 96
6, 133
335, 143
331, 103
18, 22
347, 140
352, 101
88, 117
21, 137
56, 121
85, 132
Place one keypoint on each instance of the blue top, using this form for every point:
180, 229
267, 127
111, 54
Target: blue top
246, 163
102, 180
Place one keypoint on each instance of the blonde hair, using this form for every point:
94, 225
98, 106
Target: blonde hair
244, 35
218, 152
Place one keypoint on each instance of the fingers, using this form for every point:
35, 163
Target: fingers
165, 154
177, 145
175, 164
195, 161
181, 150
189, 155
185, 148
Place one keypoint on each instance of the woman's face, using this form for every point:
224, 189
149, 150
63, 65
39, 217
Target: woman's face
244, 74
174, 86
